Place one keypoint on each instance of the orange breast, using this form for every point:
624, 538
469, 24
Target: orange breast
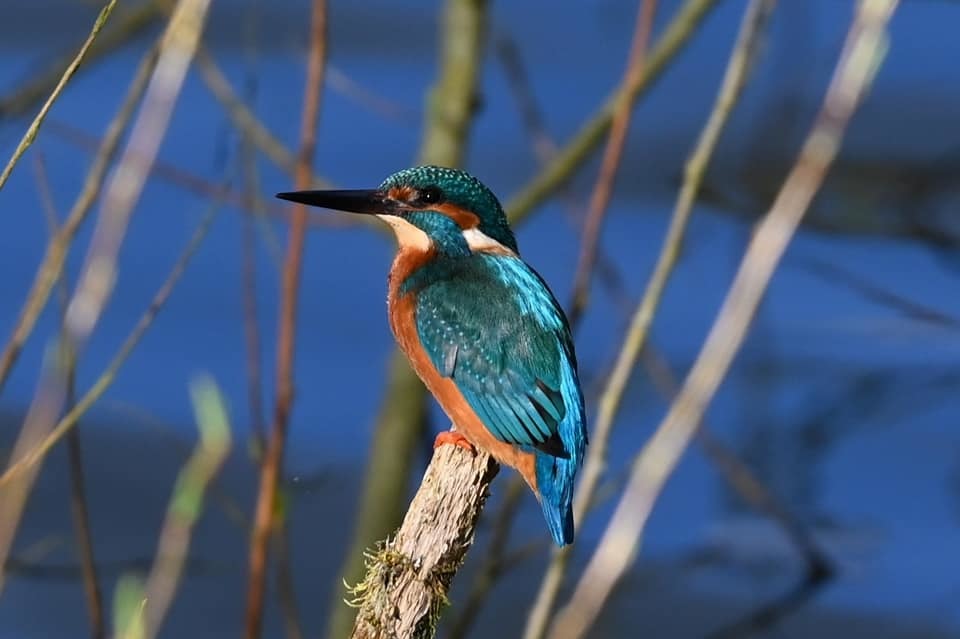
402, 312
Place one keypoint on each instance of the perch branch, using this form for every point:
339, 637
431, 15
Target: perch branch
408, 578
859, 60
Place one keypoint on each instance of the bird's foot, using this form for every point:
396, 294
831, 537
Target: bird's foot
454, 438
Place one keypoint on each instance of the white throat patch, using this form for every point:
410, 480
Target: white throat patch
477, 240
407, 234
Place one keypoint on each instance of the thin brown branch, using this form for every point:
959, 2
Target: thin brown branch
51, 267
603, 189
34, 127
732, 86
78, 498
286, 339
496, 561
859, 60
408, 578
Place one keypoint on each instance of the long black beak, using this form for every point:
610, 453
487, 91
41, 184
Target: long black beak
365, 201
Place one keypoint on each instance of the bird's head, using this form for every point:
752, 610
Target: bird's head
429, 207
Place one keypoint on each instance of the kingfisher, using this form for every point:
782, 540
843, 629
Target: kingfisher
480, 327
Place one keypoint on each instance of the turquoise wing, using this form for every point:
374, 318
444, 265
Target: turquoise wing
491, 325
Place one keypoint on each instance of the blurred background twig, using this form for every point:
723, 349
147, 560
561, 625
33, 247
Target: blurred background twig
272, 466
31, 133
402, 417
858, 63
609, 404
78, 492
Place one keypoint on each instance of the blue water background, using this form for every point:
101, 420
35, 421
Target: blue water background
882, 485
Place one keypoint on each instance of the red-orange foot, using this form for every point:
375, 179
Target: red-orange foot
454, 438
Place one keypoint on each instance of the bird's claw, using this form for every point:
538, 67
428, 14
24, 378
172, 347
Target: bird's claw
454, 438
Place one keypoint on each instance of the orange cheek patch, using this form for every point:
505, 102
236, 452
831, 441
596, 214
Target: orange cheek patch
464, 218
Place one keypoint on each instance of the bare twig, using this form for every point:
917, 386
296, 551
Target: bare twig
96, 281
186, 504
247, 122
730, 90
243, 118
109, 374
575, 153
859, 60
739, 476
834, 273
603, 189
78, 499
286, 339
373, 102
99, 272
193, 183
407, 579
51, 267
31, 133
36, 436
544, 147
125, 25
772, 612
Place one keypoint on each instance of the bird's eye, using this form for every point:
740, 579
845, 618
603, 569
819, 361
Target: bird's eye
429, 195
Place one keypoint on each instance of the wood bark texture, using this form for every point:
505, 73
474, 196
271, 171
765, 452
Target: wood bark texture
407, 579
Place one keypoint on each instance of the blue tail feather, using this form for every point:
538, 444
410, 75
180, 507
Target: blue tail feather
555, 484
556, 476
